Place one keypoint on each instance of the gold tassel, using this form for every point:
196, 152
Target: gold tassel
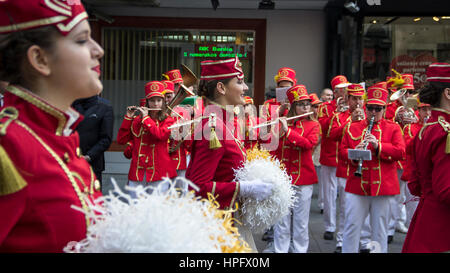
11, 179
214, 142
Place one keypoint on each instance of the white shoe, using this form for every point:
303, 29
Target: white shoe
401, 228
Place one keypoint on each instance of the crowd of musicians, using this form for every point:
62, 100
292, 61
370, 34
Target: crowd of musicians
404, 185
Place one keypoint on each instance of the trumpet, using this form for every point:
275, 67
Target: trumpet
278, 119
341, 107
361, 115
358, 171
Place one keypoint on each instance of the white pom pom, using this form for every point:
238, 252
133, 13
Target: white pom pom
261, 215
165, 222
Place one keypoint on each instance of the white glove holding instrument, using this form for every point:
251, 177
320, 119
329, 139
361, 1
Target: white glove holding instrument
255, 189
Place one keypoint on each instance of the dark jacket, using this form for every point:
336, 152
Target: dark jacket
95, 130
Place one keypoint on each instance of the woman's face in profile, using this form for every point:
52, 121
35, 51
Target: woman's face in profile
235, 90
75, 63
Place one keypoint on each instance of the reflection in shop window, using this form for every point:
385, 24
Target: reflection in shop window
406, 44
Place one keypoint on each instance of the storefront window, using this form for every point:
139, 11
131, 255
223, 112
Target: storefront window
135, 56
405, 44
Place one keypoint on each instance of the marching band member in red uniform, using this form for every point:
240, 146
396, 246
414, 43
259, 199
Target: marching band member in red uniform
338, 122
409, 132
150, 134
297, 141
329, 154
428, 231
397, 113
284, 78
177, 150
214, 159
369, 193
43, 172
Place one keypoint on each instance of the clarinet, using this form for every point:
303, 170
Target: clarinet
358, 171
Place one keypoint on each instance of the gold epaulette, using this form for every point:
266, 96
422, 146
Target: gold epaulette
446, 126
10, 179
11, 114
423, 128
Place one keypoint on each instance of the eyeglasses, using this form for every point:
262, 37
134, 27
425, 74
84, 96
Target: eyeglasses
372, 108
304, 104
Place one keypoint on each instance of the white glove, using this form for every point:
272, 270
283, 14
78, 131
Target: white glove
255, 189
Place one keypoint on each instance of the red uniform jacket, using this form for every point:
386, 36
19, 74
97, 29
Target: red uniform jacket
150, 154
409, 132
295, 151
42, 175
328, 147
429, 228
213, 169
391, 110
379, 175
335, 132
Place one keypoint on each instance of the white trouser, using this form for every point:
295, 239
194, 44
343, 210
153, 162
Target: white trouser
300, 220
356, 211
329, 179
366, 234
398, 209
410, 205
179, 183
341, 199
148, 185
319, 188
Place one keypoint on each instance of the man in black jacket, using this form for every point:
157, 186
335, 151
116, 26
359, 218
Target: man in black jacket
95, 130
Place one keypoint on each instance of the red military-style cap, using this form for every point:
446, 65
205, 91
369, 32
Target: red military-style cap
297, 93
339, 81
169, 87
377, 95
248, 100
314, 99
19, 15
286, 74
355, 89
174, 75
438, 72
221, 69
409, 81
154, 89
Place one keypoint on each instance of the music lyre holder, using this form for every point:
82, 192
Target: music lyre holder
355, 154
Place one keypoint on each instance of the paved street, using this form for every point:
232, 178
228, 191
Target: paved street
316, 229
